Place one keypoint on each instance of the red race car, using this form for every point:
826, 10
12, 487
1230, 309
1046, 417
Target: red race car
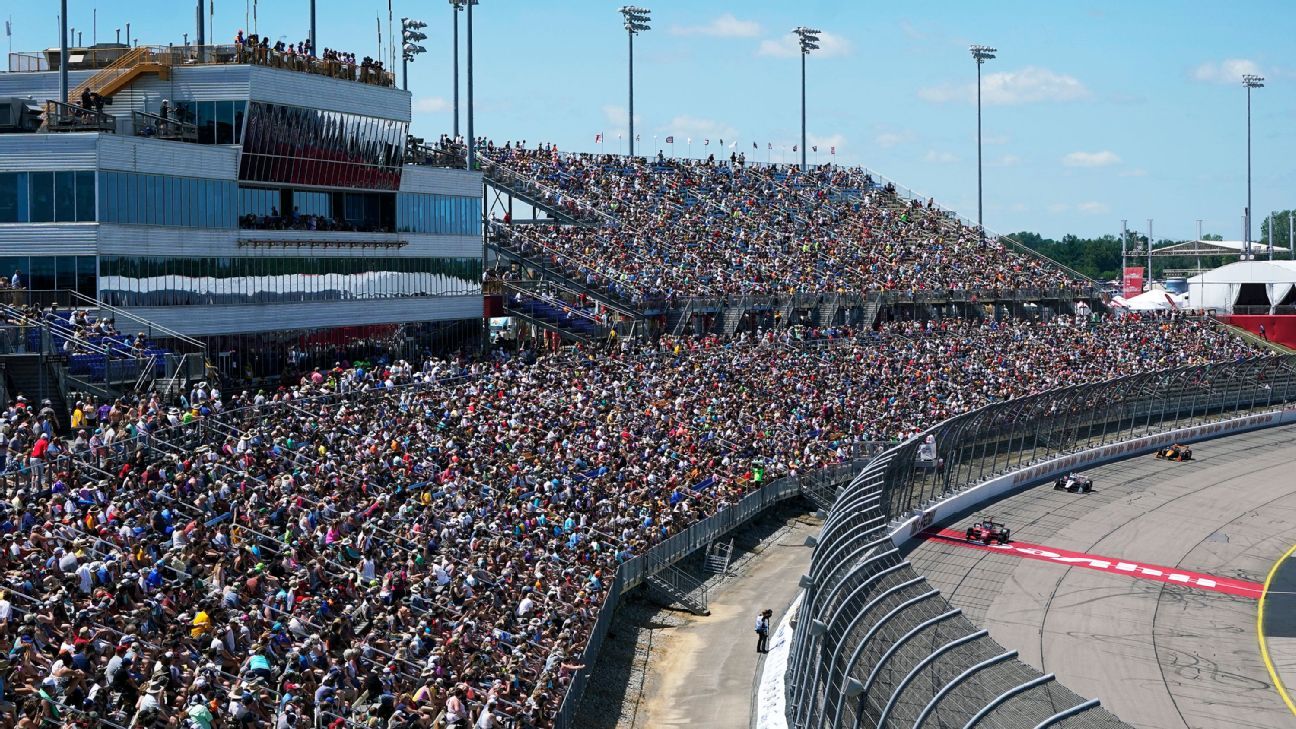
989, 531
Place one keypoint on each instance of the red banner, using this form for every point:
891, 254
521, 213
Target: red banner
1133, 282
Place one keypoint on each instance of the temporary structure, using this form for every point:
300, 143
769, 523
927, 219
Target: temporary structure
1246, 287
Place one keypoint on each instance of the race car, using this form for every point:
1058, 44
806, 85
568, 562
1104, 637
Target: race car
1176, 452
988, 531
1074, 482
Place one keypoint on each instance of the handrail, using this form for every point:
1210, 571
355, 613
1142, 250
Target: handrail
60, 117
113, 70
155, 125
165, 331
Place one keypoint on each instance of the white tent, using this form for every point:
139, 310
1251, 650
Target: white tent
1254, 282
1154, 300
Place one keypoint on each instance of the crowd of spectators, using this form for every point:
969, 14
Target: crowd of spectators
254, 48
685, 227
415, 546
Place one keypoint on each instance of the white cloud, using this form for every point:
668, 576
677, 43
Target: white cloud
685, 126
787, 46
1105, 158
1228, 71
725, 26
887, 140
1007, 160
943, 158
1029, 85
1058, 207
1135, 172
432, 104
1093, 208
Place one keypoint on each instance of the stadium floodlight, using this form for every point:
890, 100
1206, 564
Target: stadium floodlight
1250, 81
456, 7
636, 21
980, 54
410, 36
809, 41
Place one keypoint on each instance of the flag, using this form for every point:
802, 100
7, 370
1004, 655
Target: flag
706, 142
754, 146
8, 29
636, 137
769, 145
733, 145
814, 148
670, 139
794, 148
598, 138
690, 140
832, 149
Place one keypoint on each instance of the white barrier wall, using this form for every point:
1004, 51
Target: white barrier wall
1041, 472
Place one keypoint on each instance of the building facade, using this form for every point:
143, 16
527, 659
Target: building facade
258, 208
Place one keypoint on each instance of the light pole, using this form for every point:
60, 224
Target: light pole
636, 21
456, 7
1250, 81
410, 36
472, 143
809, 39
980, 54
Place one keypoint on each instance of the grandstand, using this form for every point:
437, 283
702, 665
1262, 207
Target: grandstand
423, 536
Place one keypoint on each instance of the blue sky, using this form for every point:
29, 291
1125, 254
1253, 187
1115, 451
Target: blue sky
1094, 111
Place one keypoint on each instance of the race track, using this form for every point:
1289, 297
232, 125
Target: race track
1158, 653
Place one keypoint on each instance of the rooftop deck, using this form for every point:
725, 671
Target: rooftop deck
106, 56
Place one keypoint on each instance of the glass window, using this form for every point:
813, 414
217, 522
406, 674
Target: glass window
65, 197
224, 122
42, 197
9, 212
85, 276
85, 197
239, 108
206, 122
42, 276
65, 272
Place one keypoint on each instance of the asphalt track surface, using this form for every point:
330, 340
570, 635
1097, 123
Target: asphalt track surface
1156, 653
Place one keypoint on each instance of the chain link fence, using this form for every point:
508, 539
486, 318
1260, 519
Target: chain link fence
876, 646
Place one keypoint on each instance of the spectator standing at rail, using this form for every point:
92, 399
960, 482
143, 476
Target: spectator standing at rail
762, 631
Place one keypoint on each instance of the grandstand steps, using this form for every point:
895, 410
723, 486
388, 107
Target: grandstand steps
506, 183
733, 317
673, 586
1257, 341
827, 312
544, 272
31, 376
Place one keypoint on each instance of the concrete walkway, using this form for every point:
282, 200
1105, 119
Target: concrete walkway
704, 672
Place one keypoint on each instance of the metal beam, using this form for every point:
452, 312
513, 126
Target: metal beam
895, 693
954, 682
899, 643
1090, 704
1001, 698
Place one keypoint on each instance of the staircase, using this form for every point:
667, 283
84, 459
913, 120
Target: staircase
30, 375
718, 557
674, 586
552, 313
114, 77
732, 319
871, 310
827, 311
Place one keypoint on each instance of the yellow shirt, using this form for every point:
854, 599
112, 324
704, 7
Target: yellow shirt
201, 623
78, 418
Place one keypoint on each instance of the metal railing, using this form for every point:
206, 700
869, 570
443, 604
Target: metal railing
60, 117
855, 658
145, 124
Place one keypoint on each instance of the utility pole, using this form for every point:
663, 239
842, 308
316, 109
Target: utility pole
809, 39
981, 54
636, 22
1149, 247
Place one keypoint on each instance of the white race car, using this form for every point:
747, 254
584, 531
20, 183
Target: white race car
1074, 482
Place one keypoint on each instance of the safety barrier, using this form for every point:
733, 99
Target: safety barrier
875, 646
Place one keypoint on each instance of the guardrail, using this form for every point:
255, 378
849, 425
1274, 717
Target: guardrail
875, 646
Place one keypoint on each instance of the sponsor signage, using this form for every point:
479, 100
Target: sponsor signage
1113, 565
1132, 282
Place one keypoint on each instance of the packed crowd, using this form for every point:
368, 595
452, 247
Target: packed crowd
684, 227
418, 546
254, 48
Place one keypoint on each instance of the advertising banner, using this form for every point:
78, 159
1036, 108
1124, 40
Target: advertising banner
1132, 282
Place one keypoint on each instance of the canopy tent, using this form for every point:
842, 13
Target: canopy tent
1154, 300
1214, 248
1245, 287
